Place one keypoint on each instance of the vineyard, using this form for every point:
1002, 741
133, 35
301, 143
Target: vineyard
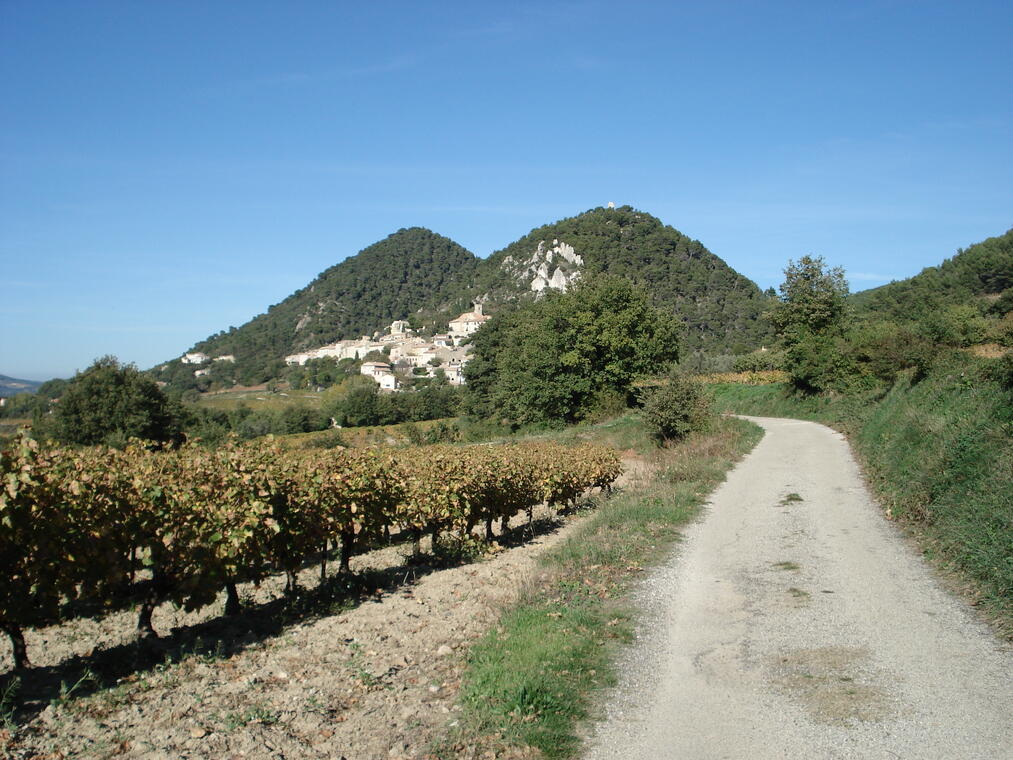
186, 524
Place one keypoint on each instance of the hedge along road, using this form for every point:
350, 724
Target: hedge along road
796, 622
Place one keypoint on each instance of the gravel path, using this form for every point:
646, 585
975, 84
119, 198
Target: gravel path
797, 623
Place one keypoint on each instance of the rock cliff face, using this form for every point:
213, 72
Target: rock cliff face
555, 268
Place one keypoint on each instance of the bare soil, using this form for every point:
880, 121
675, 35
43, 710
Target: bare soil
365, 666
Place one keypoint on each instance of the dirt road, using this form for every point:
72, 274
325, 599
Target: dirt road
796, 622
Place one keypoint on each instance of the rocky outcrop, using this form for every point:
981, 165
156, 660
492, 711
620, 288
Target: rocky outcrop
555, 268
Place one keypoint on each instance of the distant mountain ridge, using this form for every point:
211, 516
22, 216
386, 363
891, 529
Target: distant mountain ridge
11, 386
424, 277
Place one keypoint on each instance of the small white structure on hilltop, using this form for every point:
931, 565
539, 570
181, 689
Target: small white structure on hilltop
468, 323
195, 357
611, 204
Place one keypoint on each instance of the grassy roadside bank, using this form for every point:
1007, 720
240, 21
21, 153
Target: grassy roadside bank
531, 680
939, 454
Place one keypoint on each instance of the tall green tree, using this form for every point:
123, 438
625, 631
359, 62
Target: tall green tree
810, 317
563, 357
110, 403
813, 297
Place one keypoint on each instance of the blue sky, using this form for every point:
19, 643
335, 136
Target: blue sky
170, 169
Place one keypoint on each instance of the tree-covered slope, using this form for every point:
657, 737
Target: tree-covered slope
720, 308
410, 270
981, 275
419, 275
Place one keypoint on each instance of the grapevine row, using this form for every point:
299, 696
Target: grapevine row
83, 522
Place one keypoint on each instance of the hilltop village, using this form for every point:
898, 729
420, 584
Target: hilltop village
406, 352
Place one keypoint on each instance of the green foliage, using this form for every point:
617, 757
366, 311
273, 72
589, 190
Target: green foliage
1000, 371
1002, 331
983, 270
810, 318
718, 307
881, 350
426, 278
759, 361
551, 360
818, 363
674, 410
356, 403
321, 373
813, 298
410, 270
110, 403
21, 405
956, 325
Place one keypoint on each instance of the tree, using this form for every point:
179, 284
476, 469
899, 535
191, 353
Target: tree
812, 298
109, 403
556, 359
810, 317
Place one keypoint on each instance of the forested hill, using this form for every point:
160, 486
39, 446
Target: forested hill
428, 279
411, 270
720, 308
980, 276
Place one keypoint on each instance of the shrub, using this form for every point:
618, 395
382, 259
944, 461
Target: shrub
884, 349
819, 363
960, 325
759, 361
676, 409
1002, 331
1001, 371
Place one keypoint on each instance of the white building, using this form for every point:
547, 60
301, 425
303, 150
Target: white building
468, 323
381, 373
195, 357
343, 349
388, 382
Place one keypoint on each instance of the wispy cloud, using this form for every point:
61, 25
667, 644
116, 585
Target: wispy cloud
401, 62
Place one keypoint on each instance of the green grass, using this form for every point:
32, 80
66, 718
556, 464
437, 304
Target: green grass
939, 454
533, 678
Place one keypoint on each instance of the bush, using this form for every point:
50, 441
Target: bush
759, 361
960, 325
819, 363
1002, 331
884, 349
676, 409
1001, 371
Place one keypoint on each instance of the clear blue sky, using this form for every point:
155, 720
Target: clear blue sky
170, 169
